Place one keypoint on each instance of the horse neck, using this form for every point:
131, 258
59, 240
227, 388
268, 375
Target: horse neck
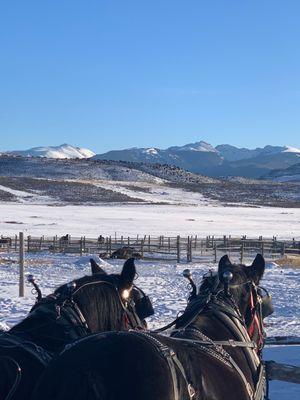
44, 329
222, 327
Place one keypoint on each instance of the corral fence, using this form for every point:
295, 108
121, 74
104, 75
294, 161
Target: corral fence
177, 248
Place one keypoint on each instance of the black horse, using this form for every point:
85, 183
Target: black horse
209, 356
87, 305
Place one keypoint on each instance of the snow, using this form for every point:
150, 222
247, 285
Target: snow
198, 146
156, 193
289, 149
151, 151
18, 193
168, 291
168, 220
27, 197
63, 151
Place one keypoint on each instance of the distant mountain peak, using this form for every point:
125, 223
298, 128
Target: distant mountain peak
289, 149
200, 146
64, 150
151, 150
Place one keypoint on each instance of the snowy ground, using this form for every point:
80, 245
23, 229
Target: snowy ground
149, 219
168, 290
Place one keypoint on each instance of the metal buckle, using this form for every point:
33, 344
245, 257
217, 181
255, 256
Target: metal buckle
249, 390
191, 391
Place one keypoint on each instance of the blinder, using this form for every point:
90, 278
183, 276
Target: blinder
142, 303
267, 307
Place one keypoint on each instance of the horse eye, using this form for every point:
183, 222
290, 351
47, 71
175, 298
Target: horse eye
125, 294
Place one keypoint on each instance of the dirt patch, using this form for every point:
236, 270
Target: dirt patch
289, 261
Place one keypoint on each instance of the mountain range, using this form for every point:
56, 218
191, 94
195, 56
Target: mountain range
200, 157
222, 160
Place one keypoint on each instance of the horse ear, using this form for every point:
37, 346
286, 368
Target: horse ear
128, 272
257, 268
224, 263
96, 269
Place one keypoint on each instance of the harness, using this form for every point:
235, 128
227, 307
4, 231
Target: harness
173, 362
61, 307
167, 353
222, 305
9, 341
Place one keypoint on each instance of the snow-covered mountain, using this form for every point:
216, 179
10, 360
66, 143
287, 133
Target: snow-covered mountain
198, 146
232, 153
63, 151
223, 160
199, 157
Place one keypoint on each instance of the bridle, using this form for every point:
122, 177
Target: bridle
130, 318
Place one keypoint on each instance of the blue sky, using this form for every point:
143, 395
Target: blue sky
124, 73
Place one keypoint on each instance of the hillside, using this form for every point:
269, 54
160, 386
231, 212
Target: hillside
56, 181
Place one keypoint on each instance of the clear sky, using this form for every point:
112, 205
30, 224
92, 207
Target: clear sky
109, 74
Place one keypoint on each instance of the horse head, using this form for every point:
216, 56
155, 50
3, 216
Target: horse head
138, 301
104, 300
240, 281
254, 302
235, 289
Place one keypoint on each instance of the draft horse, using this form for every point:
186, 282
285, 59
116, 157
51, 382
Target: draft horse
87, 305
212, 354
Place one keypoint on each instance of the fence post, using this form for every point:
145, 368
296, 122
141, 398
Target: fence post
188, 250
215, 252
178, 249
190, 257
262, 248
110, 245
21, 265
81, 246
242, 253
283, 249
142, 247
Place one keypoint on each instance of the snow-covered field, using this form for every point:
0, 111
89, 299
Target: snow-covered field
168, 290
149, 219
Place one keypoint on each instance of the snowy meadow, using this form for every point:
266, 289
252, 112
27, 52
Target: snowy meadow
163, 281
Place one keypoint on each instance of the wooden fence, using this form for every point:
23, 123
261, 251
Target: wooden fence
177, 248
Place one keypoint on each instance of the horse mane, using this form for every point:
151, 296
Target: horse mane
99, 301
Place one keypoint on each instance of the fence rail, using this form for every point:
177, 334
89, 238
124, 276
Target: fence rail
177, 248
